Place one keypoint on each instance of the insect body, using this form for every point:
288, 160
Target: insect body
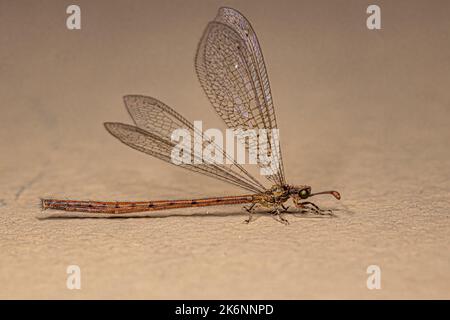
231, 70
275, 198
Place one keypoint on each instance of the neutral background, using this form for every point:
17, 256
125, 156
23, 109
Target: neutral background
363, 112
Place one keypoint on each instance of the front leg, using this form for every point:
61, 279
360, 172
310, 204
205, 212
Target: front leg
315, 209
312, 207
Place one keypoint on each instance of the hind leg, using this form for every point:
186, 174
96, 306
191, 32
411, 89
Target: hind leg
278, 216
250, 211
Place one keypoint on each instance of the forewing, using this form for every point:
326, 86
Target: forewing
231, 70
242, 26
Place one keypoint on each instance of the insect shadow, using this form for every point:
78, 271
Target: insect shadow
295, 214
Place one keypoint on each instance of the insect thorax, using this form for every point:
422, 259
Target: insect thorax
275, 196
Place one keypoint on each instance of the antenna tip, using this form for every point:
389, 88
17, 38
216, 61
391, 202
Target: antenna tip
336, 194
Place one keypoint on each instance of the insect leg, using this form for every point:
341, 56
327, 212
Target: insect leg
314, 208
250, 211
276, 214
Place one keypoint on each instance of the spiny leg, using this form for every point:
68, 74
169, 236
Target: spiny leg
316, 209
276, 215
303, 209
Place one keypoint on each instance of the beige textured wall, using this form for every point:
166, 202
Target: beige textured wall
364, 112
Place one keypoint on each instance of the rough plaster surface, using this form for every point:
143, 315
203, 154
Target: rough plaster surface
362, 112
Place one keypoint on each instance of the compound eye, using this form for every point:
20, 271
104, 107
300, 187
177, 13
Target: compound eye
304, 193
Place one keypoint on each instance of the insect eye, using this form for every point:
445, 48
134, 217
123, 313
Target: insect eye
304, 193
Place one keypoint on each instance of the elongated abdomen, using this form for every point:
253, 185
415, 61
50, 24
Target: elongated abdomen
118, 207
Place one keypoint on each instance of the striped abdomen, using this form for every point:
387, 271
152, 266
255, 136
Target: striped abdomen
140, 206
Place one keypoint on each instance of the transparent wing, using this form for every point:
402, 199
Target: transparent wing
155, 122
232, 72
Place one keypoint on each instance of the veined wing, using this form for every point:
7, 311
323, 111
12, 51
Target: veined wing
155, 122
232, 72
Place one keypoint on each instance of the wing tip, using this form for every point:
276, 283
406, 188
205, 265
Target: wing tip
108, 126
126, 98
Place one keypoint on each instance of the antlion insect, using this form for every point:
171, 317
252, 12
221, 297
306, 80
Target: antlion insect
230, 66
